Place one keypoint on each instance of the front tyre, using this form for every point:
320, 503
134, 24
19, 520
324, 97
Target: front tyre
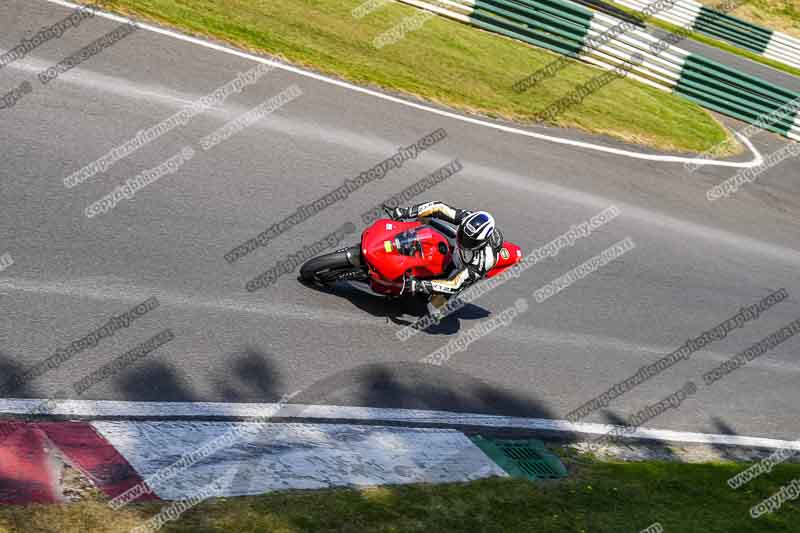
328, 268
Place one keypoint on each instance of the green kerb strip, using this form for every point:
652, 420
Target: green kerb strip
737, 21
558, 6
554, 45
714, 81
527, 459
531, 21
731, 104
796, 121
755, 44
729, 112
732, 30
733, 93
753, 83
490, 23
582, 17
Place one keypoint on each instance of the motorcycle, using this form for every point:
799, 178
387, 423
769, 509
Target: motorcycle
392, 253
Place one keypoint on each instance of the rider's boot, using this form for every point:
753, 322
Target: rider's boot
436, 304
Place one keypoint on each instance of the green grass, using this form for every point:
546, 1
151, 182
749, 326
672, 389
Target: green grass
780, 15
444, 61
711, 41
597, 498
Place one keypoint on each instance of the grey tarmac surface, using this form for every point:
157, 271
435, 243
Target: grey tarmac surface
695, 263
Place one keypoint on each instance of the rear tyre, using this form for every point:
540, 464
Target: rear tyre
328, 268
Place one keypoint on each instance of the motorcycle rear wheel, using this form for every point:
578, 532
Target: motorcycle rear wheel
328, 268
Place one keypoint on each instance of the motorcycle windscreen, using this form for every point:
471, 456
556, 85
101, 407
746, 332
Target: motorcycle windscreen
392, 248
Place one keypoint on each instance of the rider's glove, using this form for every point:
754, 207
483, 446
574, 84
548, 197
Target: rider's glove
396, 213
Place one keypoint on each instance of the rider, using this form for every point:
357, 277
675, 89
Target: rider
478, 245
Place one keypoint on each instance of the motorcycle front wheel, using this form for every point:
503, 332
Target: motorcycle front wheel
328, 268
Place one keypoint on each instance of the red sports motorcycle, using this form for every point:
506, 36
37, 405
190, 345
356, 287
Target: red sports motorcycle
393, 252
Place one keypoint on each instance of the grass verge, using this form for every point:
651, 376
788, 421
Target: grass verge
444, 61
597, 497
711, 41
779, 15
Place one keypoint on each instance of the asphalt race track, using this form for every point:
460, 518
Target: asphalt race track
695, 263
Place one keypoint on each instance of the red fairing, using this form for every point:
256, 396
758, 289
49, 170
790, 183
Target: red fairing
510, 255
391, 249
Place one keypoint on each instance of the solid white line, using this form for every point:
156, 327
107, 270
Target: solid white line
106, 408
757, 160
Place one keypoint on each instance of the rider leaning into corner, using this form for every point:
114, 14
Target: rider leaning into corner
478, 245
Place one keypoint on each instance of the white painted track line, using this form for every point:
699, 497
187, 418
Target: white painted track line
205, 410
757, 158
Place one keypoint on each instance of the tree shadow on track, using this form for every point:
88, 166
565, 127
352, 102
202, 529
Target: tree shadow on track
728, 453
660, 450
249, 375
154, 381
664, 450
405, 385
10, 368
